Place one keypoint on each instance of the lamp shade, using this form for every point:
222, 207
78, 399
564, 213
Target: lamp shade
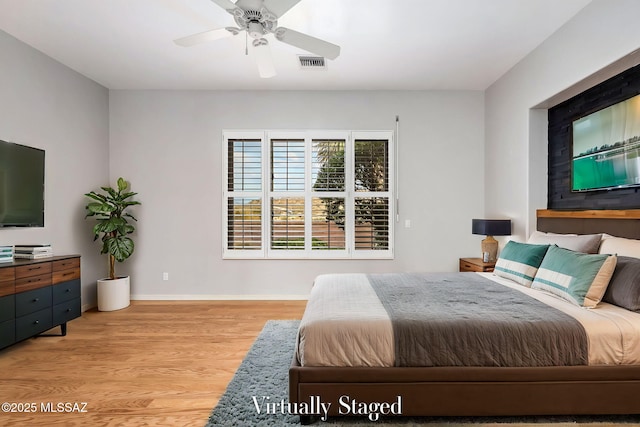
491, 227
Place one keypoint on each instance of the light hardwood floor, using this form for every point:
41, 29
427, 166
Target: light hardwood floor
152, 364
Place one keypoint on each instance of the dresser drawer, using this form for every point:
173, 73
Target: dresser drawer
65, 275
467, 266
66, 264
7, 288
7, 274
7, 333
33, 324
33, 282
7, 279
66, 291
476, 264
7, 307
33, 270
66, 311
31, 301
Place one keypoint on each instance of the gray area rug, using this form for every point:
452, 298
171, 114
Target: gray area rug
265, 373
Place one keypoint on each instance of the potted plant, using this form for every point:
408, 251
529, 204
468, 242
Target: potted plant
113, 229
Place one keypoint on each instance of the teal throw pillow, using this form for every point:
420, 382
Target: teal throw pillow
576, 277
520, 261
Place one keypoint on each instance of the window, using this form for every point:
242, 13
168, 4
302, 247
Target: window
320, 194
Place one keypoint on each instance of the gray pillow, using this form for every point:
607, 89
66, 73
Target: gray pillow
624, 287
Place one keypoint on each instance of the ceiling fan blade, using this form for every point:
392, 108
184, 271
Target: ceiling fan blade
280, 7
308, 43
225, 4
266, 69
203, 37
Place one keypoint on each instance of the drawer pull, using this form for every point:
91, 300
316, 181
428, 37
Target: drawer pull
36, 322
36, 299
68, 310
68, 290
33, 280
68, 274
34, 268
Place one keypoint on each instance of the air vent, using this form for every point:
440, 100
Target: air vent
315, 62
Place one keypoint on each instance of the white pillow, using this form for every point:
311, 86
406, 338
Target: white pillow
586, 243
620, 246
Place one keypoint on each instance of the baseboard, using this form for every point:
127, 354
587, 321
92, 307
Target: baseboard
86, 307
220, 297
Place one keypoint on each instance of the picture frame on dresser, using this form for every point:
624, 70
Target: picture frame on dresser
38, 295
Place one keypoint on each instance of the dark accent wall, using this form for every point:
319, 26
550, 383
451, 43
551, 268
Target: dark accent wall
623, 86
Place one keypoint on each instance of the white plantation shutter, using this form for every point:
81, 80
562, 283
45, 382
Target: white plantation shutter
244, 216
328, 165
372, 213
328, 198
287, 223
328, 230
287, 165
308, 194
243, 171
371, 223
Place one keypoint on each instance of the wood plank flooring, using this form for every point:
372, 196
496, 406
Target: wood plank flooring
160, 363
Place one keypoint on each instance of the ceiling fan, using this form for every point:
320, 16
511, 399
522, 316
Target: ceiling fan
259, 18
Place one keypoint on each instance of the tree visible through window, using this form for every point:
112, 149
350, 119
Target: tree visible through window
326, 197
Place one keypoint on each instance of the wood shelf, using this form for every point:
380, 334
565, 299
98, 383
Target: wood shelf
586, 214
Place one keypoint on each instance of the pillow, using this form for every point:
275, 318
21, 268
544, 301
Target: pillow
587, 243
520, 261
624, 287
576, 277
620, 246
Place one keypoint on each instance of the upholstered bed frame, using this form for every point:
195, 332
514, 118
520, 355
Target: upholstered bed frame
489, 391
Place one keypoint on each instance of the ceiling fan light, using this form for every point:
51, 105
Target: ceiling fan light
255, 30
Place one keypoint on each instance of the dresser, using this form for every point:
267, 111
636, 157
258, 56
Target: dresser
37, 295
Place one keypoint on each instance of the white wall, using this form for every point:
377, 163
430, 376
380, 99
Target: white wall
46, 105
168, 145
516, 163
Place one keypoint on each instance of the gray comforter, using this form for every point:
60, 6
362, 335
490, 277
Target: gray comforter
463, 319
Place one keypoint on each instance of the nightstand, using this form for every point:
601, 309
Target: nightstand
476, 264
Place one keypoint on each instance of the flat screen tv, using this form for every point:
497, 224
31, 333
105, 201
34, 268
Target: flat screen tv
21, 186
606, 148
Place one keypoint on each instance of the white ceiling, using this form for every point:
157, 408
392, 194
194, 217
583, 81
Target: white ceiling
386, 44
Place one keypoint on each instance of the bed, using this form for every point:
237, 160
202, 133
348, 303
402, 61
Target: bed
375, 378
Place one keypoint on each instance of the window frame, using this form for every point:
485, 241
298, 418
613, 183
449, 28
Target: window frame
349, 194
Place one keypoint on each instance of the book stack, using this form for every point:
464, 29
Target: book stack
32, 251
6, 253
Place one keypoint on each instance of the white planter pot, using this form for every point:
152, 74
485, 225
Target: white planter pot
113, 294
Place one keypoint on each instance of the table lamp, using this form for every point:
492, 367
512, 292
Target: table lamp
490, 228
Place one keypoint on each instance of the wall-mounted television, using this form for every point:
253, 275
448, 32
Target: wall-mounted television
21, 186
606, 148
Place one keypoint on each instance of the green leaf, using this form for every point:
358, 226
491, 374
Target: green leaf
100, 208
127, 195
108, 226
128, 215
96, 196
122, 184
120, 247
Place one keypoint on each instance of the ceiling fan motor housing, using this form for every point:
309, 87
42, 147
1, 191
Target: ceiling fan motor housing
252, 16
